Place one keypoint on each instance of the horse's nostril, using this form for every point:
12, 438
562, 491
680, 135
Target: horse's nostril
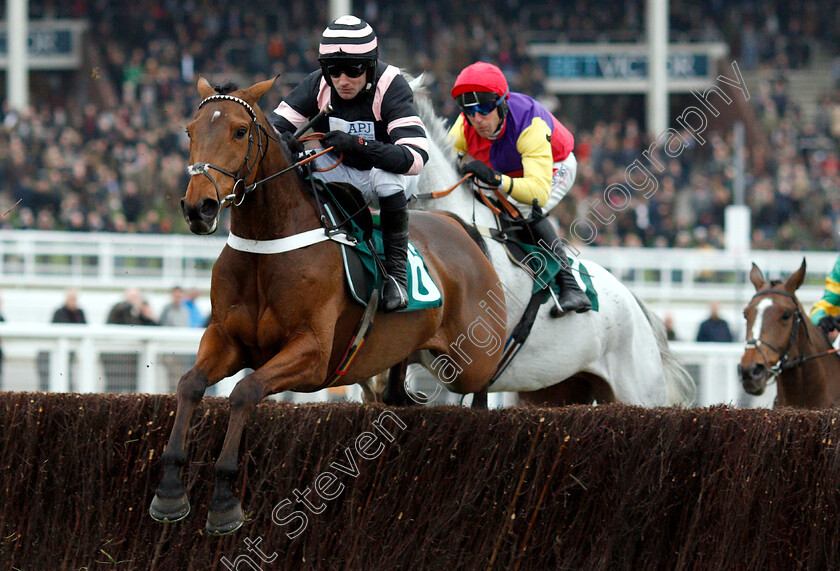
208, 208
752, 373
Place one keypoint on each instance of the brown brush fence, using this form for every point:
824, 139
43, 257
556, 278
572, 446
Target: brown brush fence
612, 487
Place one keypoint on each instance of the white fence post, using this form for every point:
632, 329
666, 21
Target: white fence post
150, 361
59, 371
90, 381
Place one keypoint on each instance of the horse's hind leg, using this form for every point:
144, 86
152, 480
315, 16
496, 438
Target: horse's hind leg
480, 399
582, 388
395, 393
372, 389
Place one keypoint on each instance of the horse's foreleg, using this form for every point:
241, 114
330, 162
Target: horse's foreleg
170, 503
297, 366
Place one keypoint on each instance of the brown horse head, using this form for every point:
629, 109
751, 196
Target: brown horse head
234, 138
775, 324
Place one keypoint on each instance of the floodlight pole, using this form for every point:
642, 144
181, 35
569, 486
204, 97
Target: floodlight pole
17, 68
336, 8
657, 39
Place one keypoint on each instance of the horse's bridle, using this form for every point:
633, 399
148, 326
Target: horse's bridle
203, 168
785, 362
247, 167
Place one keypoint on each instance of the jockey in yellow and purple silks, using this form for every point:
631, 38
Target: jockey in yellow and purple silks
826, 311
519, 147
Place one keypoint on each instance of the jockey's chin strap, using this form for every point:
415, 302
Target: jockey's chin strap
785, 362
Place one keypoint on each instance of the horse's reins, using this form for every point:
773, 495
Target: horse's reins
239, 178
785, 362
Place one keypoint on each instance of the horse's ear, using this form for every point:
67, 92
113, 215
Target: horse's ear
757, 278
796, 279
258, 89
204, 88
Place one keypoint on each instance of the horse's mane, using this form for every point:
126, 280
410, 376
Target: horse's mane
775, 283
442, 162
436, 128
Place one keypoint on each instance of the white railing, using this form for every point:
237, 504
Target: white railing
36, 266
663, 274
106, 260
99, 358
111, 358
114, 261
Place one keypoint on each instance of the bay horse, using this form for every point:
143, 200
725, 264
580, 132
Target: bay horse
618, 353
289, 316
784, 345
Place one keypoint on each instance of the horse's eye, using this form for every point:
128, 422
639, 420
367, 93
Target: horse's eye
787, 315
187, 131
241, 132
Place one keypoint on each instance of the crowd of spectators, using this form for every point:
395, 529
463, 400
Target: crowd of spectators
792, 189
75, 163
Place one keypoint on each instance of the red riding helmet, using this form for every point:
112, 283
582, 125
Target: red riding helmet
481, 83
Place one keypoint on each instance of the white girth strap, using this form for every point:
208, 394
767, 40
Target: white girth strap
286, 244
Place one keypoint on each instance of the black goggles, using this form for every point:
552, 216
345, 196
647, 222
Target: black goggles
481, 103
480, 108
351, 70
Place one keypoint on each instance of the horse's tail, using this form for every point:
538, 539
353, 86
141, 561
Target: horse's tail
678, 383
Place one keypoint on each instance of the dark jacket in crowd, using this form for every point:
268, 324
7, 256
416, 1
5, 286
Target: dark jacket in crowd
124, 313
66, 315
714, 329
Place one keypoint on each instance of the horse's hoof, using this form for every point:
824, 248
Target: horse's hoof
169, 510
224, 522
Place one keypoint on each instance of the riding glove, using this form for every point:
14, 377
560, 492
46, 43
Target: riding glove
483, 173
391, 158
295, 146
344, 142
828, 324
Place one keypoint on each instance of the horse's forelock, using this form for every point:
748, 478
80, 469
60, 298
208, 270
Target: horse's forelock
226, 88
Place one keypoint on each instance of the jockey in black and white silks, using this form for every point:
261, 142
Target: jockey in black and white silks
375, 124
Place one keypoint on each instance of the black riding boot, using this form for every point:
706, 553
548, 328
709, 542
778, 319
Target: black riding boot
393, 215
571, 297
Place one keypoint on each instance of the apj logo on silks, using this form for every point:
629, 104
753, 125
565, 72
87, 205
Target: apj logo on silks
363, 129
423, 288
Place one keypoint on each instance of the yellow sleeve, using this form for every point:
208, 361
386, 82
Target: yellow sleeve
829, 304
534, 144
456, 135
